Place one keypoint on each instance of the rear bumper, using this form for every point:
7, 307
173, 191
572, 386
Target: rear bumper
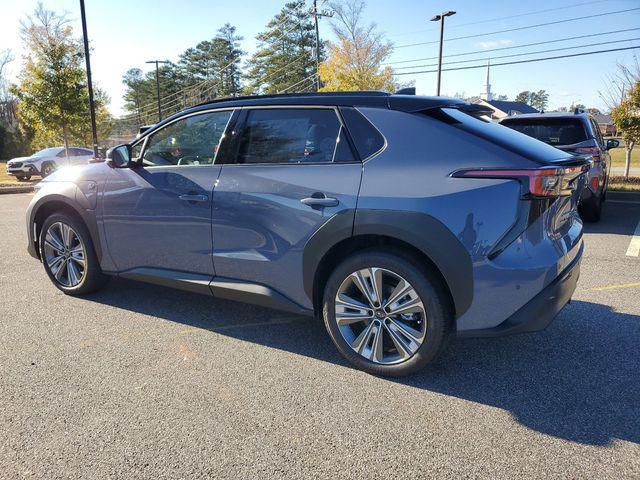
540, 311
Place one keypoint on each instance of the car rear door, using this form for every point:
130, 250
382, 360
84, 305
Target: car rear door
290, 170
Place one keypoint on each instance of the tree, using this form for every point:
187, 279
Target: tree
52, 91
538, 100
284, 59
626, 117
619, 82
216, 62
355, 59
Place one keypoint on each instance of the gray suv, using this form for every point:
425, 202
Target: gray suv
400, 220
576, 133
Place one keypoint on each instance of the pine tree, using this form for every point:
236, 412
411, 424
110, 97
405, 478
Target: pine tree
285, 56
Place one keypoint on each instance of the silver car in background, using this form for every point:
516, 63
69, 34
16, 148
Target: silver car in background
45, 161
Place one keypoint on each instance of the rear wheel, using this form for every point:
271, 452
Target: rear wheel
68, 255
591, 209
23, 178
385, 315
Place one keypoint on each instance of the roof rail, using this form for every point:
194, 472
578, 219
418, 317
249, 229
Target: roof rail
364, 93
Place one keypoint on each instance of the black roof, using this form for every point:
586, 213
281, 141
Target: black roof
369, 98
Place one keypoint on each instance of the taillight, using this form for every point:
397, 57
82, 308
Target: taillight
593, 151
537, 182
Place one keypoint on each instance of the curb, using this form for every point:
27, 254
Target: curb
26, 189
623, 196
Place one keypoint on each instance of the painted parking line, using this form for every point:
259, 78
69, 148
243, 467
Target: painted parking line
614, 287
634, 245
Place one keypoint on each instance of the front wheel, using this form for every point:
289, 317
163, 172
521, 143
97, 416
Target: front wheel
47, 169
68, 255
384, 314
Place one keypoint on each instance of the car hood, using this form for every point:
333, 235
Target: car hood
18, 159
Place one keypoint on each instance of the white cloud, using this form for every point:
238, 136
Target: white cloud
494, 44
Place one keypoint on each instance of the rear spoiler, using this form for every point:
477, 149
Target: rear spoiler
414, 104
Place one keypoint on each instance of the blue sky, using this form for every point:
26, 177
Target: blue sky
126, 33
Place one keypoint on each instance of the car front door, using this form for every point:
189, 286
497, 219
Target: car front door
157, 215
292, 169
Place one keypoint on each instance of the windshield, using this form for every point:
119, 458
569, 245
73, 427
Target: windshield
554, 131
46, 152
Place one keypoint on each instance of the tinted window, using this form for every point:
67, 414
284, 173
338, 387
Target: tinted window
289, 135
192, 140
367, 139
554, 131
46, 152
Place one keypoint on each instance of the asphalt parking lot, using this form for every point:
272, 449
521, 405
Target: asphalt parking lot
138, 381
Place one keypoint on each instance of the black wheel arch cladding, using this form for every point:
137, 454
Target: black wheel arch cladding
420, 230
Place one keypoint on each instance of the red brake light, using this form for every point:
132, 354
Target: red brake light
593, 151
540, 182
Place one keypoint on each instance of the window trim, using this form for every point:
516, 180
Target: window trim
242, 121
145, 140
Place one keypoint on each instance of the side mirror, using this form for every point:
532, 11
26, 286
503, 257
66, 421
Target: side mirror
612, 143
119, 156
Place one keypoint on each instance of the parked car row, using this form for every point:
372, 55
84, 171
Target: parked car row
44, 162
330, 204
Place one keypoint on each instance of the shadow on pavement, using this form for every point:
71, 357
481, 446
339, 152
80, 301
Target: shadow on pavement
578, 380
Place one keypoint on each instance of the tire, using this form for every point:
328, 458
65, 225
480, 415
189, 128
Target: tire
434, 320
90, 277
47, 169
23, 178
591, 210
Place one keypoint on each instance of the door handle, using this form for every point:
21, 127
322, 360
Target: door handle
193, 198
320, 200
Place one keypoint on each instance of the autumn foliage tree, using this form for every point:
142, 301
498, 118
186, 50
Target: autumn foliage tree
52, 93
626, 117
355, 59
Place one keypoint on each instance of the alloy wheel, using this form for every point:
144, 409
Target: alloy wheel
65, 254
380, 315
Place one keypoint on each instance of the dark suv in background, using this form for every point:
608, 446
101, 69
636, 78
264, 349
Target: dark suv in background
578, 134
330, 204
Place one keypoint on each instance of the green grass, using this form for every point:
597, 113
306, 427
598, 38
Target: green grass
618, 154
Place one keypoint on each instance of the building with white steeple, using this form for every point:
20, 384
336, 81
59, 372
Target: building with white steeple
487, 95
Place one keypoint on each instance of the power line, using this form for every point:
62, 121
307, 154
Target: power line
525, 53
526, 27
510, 17
298, 83
523, 61
473, 52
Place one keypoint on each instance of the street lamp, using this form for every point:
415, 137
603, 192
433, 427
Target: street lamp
158, 84
440, 18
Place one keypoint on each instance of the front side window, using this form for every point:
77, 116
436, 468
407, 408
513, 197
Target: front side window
293, 135
193, 140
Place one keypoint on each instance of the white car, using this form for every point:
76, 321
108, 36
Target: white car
46, 161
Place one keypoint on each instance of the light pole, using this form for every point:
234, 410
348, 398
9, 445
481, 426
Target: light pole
440, 18
157, 62
92, 106
316, 14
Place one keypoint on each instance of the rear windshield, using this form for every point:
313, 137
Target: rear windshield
499, 135
554, 131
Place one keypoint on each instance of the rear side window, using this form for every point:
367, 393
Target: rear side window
292, 135
554, 131
366, 138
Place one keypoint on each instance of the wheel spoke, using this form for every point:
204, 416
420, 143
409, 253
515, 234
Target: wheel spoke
59, 270
398, 326
376, 282
402, 346
361, 340
55, 262
67, 235
413, 305
360, 281
402, 289
53, 241
350, 311
73, 274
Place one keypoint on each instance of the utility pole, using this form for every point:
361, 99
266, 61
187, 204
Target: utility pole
92, 106
316, 14
440, 18
157, 62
